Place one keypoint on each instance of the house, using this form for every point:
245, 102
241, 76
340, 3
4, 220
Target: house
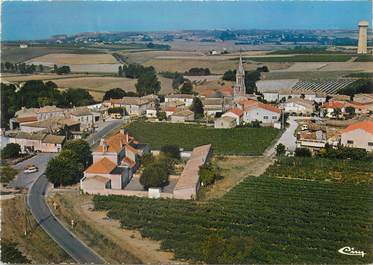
298, 106
225, 122
267, 114
358, 135
212, 106
187, 99
364, 99
115, 161
275, 90
83, 115
38, 142
182, 116
51, 125
135, 106
332, 107
151, 112
314, 140
189, 182
235, 113
27, 115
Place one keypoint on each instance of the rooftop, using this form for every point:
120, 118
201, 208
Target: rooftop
103, 166
363, 125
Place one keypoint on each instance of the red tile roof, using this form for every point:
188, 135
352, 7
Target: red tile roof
103, 166
364, 125
27, 119
128, 161
236, 111
115, 143
269, 107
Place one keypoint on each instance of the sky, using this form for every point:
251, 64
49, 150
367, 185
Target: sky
25, 20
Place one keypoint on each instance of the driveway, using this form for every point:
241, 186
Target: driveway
288, 138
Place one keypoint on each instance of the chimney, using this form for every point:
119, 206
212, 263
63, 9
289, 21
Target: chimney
104, 145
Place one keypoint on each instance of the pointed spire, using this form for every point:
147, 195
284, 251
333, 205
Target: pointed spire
240, 66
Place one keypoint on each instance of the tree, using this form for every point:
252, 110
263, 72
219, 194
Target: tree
229, 75
11, 150
41, 68
63, 70
64, 169
162, 116
359, 86
172, 151
197, 108
280, 149
350, 111
187, 87
147, 84
120, 71
78, 97
81, 149
154, 176
337, 112
302, 152
195, 71
208, 174
115, 93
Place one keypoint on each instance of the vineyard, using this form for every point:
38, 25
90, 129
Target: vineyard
262, 220
236, 141
351, 171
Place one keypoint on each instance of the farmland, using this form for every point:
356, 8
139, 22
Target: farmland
72, 59
262, 220
303, 58
236, 141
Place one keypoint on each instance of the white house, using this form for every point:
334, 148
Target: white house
187, 99
264, 113
358, 135
298, 106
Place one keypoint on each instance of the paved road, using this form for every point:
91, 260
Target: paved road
39, 208
24, 180
38, 184
287, 138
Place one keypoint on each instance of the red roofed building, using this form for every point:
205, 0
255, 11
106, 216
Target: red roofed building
115, 161
254, 110
358, 135
332, 105
235, 113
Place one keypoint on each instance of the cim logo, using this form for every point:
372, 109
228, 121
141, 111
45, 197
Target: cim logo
351, 252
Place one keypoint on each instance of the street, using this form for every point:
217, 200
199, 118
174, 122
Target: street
39, 208
37, 184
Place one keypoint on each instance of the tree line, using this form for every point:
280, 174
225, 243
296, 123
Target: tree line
35, 94
147, 80
23, 68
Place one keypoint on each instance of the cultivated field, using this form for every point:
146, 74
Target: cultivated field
264, 219
45, 77
73, 59
237, 141
302, 58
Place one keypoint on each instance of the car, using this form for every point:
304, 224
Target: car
31, 169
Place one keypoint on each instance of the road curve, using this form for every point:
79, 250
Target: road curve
39, 208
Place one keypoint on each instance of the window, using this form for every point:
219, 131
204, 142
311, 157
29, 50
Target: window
265, 117
370, 143
274, 117
350, 142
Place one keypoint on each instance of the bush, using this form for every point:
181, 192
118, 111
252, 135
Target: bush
303, 152
208, 174
344, 153
154, 175
11, 150
172, 151
7, 173
280, 149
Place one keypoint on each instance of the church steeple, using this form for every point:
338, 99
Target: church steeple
239, 87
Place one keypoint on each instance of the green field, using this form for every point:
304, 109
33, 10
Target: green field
302, 58
327, 169
237, 141
262, 220
361, 75
364, 58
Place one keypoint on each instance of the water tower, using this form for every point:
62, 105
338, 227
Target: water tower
362, 47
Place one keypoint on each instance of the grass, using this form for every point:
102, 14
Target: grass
360, 75
7, 173
11, 254
36, 245
303, 58
263, 220
109, 250
364, 58
69, 58
236, 141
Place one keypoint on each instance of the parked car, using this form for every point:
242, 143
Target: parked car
31, 169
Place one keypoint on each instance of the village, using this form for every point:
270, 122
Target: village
206, 146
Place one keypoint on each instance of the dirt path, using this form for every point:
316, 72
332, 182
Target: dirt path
234, 169
144, 249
